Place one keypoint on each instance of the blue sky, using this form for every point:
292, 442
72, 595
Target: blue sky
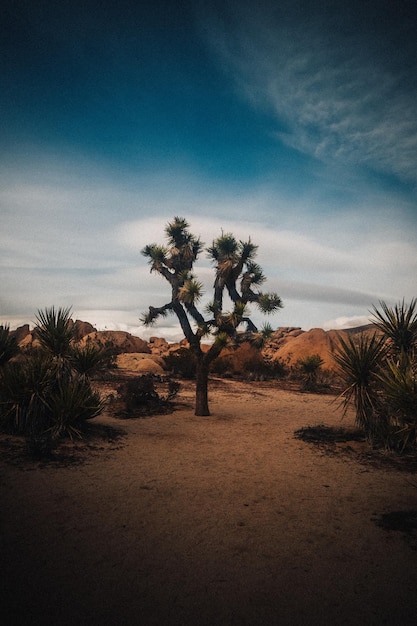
291, 122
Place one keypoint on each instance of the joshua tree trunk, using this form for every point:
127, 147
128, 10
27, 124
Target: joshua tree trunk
201, 388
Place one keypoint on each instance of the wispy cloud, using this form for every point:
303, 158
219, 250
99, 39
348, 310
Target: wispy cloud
332, 94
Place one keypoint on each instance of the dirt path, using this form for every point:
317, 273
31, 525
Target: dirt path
228, 519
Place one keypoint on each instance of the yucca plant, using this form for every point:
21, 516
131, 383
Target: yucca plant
56, 331
399, 385
89, 359
46, 394
399, 325
70, 404
23, 387
380, 376
309, 367
360, 361
8, 345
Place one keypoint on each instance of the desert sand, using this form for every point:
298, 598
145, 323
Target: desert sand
228, 519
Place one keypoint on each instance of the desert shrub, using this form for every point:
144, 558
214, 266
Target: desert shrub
182, 363
8, 345
90, 360
309, 368
55, 331
266, 370
222, 366
23, 387
70, 403
41, 403
140, 396
42, 395
379, 375
255, 369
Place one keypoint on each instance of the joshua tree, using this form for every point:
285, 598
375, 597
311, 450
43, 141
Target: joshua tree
233, 261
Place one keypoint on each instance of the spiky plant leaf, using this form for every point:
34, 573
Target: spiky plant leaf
267, 331
359, 363
269, 302
157, 256
255, 272
88, 359
8, 345
56, 330
71, 403
224, 249
221, 340
399, 324
248, 250
399, 384
190, 292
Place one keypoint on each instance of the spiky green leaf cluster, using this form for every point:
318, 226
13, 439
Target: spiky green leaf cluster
191, 291
47, 392
360, 361
269, 302
157, 256
55, 330
8, 345
399, 324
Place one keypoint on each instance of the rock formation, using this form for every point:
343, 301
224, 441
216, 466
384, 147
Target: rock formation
287, 345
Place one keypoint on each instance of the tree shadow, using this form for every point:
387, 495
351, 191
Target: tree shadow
327, 435
404, 522
96, 439
351, 443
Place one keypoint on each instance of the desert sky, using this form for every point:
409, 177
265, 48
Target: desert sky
293, 123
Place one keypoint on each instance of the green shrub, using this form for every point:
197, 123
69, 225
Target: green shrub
90, 359
222, 366
182, 363
380, 377
140, 396
8, 345
55, 331
43, 396
70, 403
309, 369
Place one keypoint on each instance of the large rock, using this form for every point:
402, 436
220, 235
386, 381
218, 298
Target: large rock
118, 340
25, 337
314, 341
140, 362
22, 334
242, 359
82, 329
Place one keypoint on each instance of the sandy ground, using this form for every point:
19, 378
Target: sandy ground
228, 519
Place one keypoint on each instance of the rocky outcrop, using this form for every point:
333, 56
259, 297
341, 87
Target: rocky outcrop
141, 363
314, 341
117, 340
82, 329
287, 344
22, 334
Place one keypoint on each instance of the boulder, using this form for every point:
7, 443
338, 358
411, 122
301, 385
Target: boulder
22, 334
119, 340
82, 329
140, 362
314, 341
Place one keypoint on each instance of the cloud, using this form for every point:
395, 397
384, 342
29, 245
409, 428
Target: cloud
326, 293
338, 91
73, 239
346, 322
